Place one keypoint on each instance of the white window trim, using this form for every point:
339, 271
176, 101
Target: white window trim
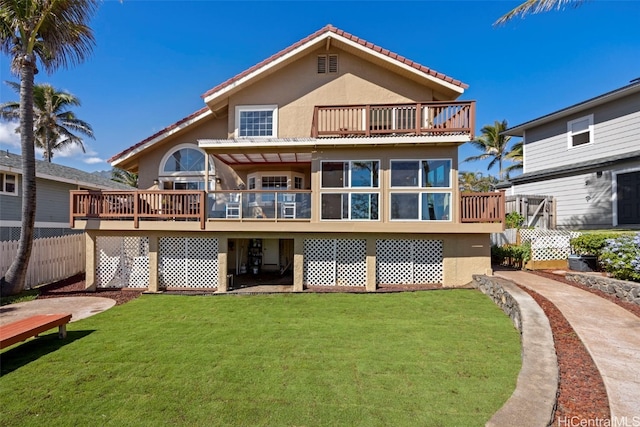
187, 175
419, 219
4, 184
349, 194
348, 175
420, 171
270, 107
570, 134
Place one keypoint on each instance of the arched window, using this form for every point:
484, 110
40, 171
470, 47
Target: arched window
184, 169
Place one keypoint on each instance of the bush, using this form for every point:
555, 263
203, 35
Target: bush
591, 243
620, 257
511, 255
513, 220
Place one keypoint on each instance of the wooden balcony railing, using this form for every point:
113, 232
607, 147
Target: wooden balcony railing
427, 118
137, 205
148, 205
482, 207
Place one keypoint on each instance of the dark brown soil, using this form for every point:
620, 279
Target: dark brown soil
75, 287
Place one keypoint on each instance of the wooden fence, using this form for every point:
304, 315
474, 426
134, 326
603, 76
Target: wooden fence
53, 258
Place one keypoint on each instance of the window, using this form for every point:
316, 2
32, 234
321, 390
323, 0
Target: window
8, 184
580, 131
350, 206
184, 169
350, 174
327, 64
421, 206
421, 173
257, 121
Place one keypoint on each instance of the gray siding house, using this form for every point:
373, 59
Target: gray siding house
587, 156
53, 183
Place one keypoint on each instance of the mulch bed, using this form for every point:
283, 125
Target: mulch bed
581, 391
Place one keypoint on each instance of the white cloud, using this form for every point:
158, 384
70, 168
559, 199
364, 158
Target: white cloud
93, 160
8, 135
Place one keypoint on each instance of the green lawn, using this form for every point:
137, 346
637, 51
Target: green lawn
437, 358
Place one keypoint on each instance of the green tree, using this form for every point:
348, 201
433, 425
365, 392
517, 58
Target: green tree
54, 122
516, 157
124, 177
476, 182
536, 6
493, 145
53, 33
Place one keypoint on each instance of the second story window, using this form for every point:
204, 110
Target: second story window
256, 121
8, 184
421, 173
350, 174
184, 169
580, 131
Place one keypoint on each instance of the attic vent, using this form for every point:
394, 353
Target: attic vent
327, 64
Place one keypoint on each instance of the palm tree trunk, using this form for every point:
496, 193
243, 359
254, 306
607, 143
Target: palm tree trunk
14, 280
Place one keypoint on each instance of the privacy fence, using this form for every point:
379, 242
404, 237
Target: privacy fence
52, 259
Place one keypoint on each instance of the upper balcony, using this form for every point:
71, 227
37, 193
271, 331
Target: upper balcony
420, 119
243, 207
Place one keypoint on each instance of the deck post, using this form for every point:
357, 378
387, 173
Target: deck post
153, 263
223, 249
298, 264
90, 260
371, 264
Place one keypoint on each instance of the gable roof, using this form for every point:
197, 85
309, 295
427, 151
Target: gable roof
326, 35
13, 163
629, 89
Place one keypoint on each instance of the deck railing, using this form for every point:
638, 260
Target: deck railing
482, 207
427, 118
137, 205
146, 205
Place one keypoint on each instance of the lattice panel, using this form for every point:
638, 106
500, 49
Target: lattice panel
351, 262
188, 262
427, 261
409, 261
122, 262
548, 244
394, 262
319, 262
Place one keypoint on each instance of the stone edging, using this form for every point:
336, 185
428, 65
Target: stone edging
624, 290
534, 399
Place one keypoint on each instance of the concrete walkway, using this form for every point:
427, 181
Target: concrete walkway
79, 307
610, 334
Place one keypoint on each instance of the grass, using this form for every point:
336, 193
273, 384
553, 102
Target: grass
24, 296
438, 358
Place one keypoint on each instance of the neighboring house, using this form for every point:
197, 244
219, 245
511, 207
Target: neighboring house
53, 184
587, 156
333, 163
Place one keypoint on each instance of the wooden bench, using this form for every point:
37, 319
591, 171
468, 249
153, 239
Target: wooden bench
20, 330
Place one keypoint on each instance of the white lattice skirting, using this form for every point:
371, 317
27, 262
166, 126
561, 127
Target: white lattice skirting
123, 262
335, 262
409, 262
186, 262
548, 245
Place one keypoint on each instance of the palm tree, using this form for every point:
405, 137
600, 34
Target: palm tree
476, 182
516, 156
493, 144
536, 6
55, 34
54, 123
124, 177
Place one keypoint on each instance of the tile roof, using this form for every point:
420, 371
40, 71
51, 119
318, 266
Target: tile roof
364, 43
14, 161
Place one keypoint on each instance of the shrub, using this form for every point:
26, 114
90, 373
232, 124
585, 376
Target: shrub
513, 220
511, 255
621, 257
591, 243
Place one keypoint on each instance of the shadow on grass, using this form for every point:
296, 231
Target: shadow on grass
27, 352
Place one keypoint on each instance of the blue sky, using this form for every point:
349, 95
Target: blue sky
153, 59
